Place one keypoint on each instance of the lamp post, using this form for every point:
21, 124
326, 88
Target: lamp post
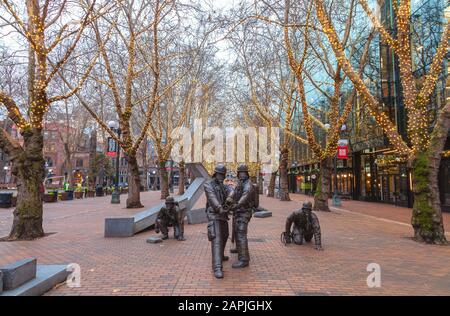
115, 197
336, 199
5, 168
171, 176
293, 177
327, 128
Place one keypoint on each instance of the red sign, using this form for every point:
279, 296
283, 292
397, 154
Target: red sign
342, 152
112, 147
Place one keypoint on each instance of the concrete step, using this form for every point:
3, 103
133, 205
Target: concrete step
47, 276
17, 273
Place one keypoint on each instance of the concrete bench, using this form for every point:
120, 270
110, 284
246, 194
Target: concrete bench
197, 216
27, 278
47, 277
128, 226
18, 273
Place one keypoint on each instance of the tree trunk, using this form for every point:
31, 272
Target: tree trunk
68, 163
144, 145
427, 216
164, 180
271, 188
29, 169
181, 179
323, 186
284, 184
134, 184
260, 182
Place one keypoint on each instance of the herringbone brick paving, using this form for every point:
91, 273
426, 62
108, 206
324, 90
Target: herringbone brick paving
355, 235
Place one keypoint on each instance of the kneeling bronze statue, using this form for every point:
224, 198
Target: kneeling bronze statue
306, 225
170, 216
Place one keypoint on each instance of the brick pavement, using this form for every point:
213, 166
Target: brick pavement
387, 211
130, 266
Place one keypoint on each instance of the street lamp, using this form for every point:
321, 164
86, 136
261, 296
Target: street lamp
6, 168
294, 177
171, 176
115, 197
336, 199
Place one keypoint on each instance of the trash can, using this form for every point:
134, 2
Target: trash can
6, 200
69, 194
98, 190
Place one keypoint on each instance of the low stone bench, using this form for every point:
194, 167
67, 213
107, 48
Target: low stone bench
18, 273
27, 278
128, 226
47, 277
197, 216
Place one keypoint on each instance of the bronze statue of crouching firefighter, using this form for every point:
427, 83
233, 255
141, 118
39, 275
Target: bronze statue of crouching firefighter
306, 225
170, 216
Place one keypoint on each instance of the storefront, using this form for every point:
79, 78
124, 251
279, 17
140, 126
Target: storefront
303, 179
444, 178
342, 175
381, 176
344, 180
294, 179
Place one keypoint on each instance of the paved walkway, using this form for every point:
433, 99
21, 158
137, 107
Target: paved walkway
387, 211
354, 236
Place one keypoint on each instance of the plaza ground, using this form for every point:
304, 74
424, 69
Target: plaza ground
354, 235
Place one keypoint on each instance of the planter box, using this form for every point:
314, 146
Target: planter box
78, 195
63, 196
90, 194
50, 198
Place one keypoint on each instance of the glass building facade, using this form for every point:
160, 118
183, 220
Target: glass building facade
373, 171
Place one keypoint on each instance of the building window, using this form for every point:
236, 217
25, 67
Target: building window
51, 147
79, 163
49, 161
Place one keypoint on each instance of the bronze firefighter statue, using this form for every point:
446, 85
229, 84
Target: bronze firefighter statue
170, 216
218, 199
244, 202
306, 225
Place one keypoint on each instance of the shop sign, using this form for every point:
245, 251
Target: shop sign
342, 152
305, 186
